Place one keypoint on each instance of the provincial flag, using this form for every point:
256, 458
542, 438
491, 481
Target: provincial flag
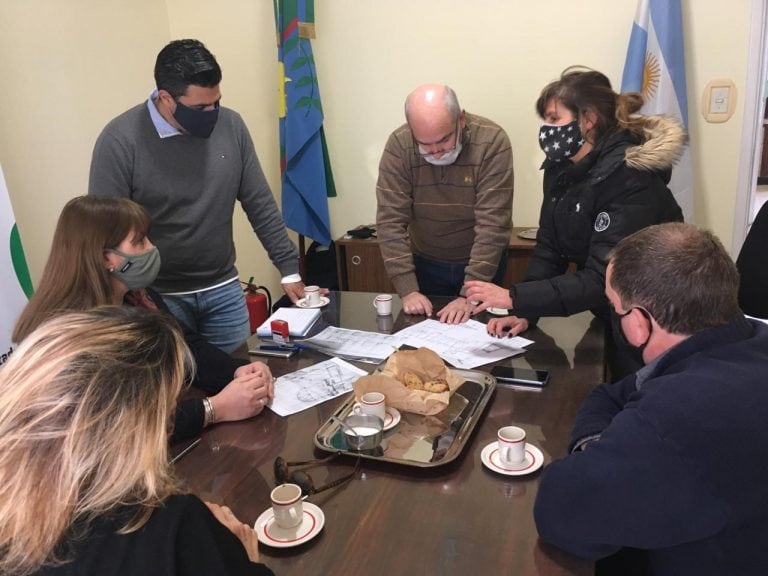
655, 66
305, 169
15, 283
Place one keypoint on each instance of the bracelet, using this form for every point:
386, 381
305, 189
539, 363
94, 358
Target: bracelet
210, 413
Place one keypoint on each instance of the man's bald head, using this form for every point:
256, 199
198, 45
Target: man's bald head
432, 101
434, 116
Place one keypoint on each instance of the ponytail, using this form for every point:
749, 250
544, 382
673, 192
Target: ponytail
627, 118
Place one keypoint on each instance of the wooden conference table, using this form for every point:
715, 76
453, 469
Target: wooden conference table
459, 518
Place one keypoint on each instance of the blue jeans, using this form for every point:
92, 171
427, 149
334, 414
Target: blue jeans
440, 278
218, 315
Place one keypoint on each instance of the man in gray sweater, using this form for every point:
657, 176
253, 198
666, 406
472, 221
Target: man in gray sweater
187, 161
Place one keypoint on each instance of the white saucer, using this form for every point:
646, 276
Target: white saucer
533, 460
392, 419
302, 303
528, 233
498, 311
271, 534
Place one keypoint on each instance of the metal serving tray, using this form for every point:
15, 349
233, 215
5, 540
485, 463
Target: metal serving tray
421, 441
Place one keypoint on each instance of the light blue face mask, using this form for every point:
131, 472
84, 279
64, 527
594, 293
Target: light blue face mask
137, 270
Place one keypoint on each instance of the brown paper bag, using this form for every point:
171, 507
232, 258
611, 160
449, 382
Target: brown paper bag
423, 362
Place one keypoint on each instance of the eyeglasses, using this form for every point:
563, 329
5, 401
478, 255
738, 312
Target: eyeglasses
284, 474
456, 134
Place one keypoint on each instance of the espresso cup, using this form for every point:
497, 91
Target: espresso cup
372, 403
383, 304
511, 445
312, 295
287, 505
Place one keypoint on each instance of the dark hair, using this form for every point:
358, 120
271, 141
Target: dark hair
185, 62
583, 90
680, 274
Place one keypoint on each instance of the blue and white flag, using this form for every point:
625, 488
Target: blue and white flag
655, 66
15, 284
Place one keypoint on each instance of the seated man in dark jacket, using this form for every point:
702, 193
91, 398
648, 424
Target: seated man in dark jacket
671, 461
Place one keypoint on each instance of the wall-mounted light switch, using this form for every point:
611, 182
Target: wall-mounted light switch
718, 101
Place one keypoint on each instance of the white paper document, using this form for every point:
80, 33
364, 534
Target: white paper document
353, 344
466, 345
310, 386
299, 320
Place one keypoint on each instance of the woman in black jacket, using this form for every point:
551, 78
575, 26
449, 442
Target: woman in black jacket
87, 486
101, 255
605, 177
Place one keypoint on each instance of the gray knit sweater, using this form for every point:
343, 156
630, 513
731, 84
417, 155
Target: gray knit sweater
189, 186
456, 213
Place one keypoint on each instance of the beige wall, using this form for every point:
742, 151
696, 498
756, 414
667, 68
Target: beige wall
67, 68
72, 65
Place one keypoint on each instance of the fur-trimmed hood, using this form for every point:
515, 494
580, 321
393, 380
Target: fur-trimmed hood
663, 145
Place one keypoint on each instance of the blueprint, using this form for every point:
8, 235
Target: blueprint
353, 344
310, 386
466, 345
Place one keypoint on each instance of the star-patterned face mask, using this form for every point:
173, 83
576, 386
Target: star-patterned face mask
560, 142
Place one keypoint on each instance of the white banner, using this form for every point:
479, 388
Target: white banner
15, 284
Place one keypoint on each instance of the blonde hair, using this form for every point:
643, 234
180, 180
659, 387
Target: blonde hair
86, 405
75, 277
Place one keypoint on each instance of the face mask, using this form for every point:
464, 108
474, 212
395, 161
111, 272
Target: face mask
198, 123
560, 142
634, 352
138, 270
445, 159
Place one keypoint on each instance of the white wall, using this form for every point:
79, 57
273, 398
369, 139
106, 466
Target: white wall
71, 65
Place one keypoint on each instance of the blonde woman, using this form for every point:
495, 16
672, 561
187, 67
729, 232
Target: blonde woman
101, 254
85, 480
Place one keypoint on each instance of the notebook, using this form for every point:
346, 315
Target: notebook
300, 320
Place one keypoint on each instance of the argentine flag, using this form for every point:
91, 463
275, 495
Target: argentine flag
655, 66
15, 284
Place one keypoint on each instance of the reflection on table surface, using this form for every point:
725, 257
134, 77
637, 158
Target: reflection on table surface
459, 518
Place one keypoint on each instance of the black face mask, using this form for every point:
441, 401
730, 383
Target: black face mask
623, 345
198, 123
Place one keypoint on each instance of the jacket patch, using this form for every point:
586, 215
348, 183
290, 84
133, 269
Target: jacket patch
602, 222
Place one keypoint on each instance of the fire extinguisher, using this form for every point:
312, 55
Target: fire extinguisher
258, 304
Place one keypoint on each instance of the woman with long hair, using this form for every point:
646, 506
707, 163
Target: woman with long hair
86, 483
101, 254
605, 177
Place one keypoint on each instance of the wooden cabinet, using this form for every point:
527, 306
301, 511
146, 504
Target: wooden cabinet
361, 268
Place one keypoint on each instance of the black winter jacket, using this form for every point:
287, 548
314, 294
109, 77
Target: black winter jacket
588, 207
214, 370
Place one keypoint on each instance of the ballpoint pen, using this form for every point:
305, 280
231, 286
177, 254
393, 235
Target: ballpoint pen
278, 347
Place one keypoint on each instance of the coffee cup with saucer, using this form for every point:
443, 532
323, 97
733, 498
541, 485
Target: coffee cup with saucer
269, 532
510, 454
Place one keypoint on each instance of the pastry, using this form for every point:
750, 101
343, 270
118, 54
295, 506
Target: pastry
436, 385
412, 381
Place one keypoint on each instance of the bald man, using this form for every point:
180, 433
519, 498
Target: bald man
444, 198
